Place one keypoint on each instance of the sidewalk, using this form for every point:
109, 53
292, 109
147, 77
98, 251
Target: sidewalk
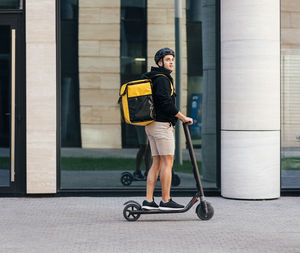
94, 224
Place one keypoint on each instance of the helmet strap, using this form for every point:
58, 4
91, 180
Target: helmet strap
163, 64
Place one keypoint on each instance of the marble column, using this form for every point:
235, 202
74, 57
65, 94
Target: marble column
250, 99
41, 96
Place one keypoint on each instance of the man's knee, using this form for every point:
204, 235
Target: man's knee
156, 162
167, 159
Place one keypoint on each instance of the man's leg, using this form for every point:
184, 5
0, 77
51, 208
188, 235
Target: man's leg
166, 162
139, 158
152, 177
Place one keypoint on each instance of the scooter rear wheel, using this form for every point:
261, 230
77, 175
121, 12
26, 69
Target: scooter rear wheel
126, 178
201, 212
127, 212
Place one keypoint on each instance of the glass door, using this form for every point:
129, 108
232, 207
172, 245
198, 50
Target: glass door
12, 128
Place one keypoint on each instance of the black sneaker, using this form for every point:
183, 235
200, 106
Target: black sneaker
138, 175
170, 205
149, 205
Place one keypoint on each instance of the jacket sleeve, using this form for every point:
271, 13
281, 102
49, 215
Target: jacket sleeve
162, 93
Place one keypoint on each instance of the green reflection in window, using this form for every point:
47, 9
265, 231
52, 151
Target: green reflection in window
10, 4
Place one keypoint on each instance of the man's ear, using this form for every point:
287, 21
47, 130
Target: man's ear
159, 63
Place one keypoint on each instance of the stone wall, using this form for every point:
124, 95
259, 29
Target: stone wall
99, 64
41, 96
99, 73
290, 75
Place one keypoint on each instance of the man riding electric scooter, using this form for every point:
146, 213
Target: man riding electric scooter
161, 132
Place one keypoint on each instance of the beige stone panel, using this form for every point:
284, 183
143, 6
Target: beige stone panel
161, 32
40, 114
290, 5
165, 4
290, 36
99, 15
154, 46
41, 86
100, 3
89, 48
295, 19
183, 101
101, 136
40, 21
184, 81
99, 64
110, 81
99, 48
109, 48
41, 162
41, 117
100, 114
171, 16
91, 97
99, 32
289, 132
99, 80
158, 16
285, 20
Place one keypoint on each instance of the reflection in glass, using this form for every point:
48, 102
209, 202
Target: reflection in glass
290, 96
103, 47
201, 52
290, 123
133, 53
10, 4
70, 122
5, 104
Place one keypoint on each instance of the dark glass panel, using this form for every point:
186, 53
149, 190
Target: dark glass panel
5, 104
133, 53
10, 4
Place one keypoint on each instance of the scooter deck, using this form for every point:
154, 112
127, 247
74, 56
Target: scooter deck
155, 211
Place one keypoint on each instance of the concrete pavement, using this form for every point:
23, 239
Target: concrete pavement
94, 224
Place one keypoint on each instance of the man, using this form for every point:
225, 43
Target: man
161, 132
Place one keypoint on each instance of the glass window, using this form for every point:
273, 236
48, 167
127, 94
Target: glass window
201, 91
133, 53
290, 95
11, 4
5, 104
104, 45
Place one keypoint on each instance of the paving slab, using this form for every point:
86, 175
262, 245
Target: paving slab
96, 224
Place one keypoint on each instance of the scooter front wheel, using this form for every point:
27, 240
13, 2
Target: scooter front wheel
127, 212
203, 213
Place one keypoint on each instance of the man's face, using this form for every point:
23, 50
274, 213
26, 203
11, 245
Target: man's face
168, 62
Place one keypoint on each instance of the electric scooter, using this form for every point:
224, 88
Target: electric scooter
133, 210
127, 178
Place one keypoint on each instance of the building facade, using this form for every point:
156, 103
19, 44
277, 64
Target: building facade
62, 64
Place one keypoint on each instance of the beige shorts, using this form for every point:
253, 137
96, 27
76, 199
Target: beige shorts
161, 138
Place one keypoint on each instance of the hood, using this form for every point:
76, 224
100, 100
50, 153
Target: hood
155, 70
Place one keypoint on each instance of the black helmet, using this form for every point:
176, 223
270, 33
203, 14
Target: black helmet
162, 52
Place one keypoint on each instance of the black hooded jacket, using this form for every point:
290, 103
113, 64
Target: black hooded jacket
164, 103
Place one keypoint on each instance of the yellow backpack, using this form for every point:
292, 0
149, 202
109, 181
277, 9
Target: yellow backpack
137, 101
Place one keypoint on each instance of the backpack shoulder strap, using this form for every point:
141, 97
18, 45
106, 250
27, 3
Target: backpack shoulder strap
172, 88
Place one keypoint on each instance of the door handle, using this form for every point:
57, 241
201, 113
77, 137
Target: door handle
13, 104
